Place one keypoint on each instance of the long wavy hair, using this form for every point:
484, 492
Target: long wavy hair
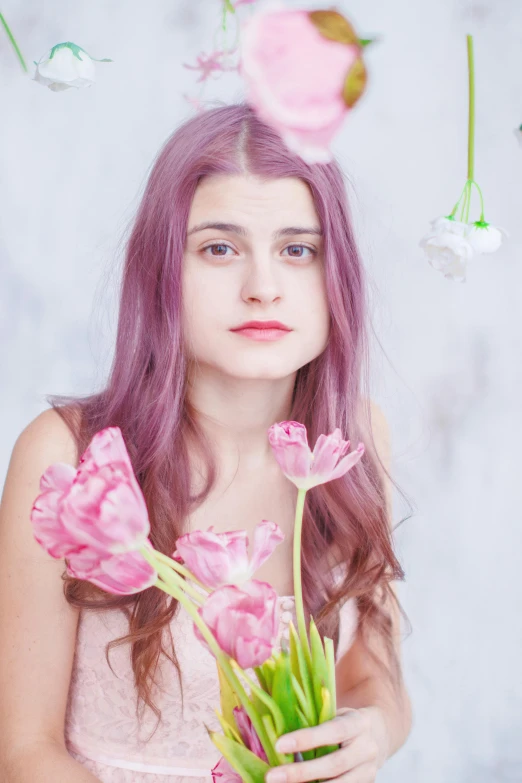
145, 395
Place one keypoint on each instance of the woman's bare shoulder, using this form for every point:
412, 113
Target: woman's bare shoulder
48, 431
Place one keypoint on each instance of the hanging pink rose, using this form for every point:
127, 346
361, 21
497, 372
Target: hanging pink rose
243, 621
306, 469
218, 559
96, 517
304, 72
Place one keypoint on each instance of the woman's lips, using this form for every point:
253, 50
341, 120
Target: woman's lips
262, 335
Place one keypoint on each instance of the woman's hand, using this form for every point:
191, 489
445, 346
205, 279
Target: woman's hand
364, 739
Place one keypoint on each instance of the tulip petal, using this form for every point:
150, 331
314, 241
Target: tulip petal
243, 620
248, 733
267, 535
216, 559
347, 462
48, 528
250, 768
123, 574
222, 772
328, 449
289, 443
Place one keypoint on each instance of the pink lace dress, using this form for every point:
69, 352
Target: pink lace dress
102, 730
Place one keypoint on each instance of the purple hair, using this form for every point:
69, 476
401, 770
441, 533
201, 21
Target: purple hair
145, 392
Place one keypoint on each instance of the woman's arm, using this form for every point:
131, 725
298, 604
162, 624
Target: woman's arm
44, 763
359, 681
38, 625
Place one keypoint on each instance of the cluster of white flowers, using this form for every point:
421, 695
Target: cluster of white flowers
451, 244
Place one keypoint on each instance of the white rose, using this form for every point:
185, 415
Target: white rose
449, 224
67, 65
485, 238
448, 252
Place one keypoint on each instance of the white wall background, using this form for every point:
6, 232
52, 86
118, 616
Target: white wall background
72, 168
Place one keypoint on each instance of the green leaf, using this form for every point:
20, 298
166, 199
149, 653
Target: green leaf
268, 669
319, 668
303, 703
326, 707
307, 755
331, 24
270, 706
326, 714
283, 758
330, 666
230, 731
261, 677
251, 768
283, 692
355, 83
303, 674
228, 696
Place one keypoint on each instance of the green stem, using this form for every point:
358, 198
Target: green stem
468, 200
13, 42
298, 585
187, 588
180, 569
481, 201
471, 113
174, 585
465, 203
455, 208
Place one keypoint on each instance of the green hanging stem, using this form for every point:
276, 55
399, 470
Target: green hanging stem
471, 110
482, 219
13, 42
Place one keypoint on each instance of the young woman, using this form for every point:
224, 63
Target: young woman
232, 228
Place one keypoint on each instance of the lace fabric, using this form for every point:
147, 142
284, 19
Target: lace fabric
102, 729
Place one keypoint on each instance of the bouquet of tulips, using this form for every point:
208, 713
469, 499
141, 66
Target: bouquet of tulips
96, 518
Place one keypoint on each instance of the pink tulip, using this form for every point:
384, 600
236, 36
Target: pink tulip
222, 772
218, 559
96, 517
243, 621
306, 469
105, 507
248, 733
295, 76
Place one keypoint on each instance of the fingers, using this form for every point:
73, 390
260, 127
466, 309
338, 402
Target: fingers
342, 728
364, 773
331, 766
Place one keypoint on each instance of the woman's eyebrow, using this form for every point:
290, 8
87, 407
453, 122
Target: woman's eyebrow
235, 229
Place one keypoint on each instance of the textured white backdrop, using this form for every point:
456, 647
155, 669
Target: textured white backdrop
72, 169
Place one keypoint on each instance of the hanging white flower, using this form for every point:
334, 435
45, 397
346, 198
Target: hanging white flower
447, 248
485, 238
67, 65
444, 223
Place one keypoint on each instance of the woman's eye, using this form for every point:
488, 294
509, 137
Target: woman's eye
299, 247
223, 248
220, 245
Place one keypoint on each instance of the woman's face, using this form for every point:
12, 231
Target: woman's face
267, 264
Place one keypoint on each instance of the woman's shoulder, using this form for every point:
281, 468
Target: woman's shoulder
48, 432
